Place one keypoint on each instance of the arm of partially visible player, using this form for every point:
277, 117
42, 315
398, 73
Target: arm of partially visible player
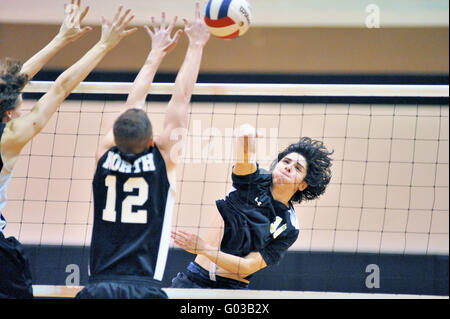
21, 130
70, 31
245, 150
178, 107
162, 44
241, 266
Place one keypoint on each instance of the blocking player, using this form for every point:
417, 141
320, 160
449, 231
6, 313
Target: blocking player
16, 130
134, 182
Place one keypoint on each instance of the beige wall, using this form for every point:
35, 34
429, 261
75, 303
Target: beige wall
278, 50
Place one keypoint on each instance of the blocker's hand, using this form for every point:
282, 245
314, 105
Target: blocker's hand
113, 32
71, 27
197, 32
161, 35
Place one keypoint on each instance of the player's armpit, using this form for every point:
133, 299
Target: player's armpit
105, 143
19, 131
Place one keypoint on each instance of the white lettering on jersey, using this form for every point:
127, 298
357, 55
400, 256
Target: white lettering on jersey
115, 163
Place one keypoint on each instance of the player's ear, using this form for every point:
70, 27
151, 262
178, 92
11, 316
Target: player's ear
8, 116
303, 185
151, 143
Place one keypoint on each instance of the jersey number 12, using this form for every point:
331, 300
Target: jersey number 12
128, 216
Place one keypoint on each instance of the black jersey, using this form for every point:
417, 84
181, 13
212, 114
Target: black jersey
132, 215
254, 221
15, 273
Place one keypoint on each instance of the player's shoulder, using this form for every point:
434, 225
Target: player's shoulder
259, 176
264, 173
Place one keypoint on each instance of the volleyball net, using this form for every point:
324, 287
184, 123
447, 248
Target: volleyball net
388, 193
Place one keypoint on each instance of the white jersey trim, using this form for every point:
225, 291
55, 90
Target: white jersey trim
294, 219
5, 177
163, 250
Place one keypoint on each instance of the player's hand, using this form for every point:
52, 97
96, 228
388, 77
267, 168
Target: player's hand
71, 27
246, 138
161, 35
113, 32
190, 242
247, 130
197, 31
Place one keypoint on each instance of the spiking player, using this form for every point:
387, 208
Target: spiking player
17, 130
257, 216
135, 178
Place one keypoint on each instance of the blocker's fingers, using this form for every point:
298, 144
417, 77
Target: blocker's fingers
163, 20
154, 26
122, 18
85, 12
149, 31
172, 24
128, 21
117, 14
186, 23
197, 10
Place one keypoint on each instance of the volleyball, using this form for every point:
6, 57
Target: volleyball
228, 19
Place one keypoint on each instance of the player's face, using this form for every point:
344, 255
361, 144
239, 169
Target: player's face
292, 169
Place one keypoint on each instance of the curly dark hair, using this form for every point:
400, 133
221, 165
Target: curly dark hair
318, 172
11, 84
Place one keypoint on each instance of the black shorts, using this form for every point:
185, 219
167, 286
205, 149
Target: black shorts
198, 277
122, 288
15, 273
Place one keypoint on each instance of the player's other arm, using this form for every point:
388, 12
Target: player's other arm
21, 130
162, 44
69, 31
241, 266
178, 107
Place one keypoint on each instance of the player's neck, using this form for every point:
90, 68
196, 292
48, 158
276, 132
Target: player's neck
282, 193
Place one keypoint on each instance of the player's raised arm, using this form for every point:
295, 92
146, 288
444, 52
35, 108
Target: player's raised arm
245, 150
177, 110
162, 43
69, 31
22, 129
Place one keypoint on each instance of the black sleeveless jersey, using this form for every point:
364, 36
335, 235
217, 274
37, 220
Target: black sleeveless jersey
133, 208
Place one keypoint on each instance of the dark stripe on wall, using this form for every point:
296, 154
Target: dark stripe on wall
306, 78
298, 271
422, 79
